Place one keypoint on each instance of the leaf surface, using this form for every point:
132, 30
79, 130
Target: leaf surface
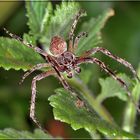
15, 55
112, 88
65, 110
37, 13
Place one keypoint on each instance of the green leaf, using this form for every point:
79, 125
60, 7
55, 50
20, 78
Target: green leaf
61, 21
14, 54
10, 133
37, 13
65, 110
93, 27
111, 88
45, 25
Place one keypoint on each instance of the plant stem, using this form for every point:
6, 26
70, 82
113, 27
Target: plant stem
130, 111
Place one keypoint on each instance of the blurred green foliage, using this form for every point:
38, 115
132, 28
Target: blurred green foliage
120, 35
13, 134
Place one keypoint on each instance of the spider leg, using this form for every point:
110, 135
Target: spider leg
35, 48
60, 77
107, 70
77, 39
36, 67
108, 53
33, 96
64, 82
71, 34
79, 102
56, 67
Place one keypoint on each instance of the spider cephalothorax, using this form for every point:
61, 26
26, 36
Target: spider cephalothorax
62, 59
67, 61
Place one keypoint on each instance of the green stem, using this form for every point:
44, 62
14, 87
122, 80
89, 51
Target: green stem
130, 111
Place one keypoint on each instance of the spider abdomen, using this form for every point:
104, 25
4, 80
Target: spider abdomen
58, 45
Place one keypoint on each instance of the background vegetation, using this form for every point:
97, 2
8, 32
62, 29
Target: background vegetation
120, 35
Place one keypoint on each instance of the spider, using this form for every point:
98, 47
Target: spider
63, 60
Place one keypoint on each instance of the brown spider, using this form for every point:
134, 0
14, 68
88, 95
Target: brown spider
63, 59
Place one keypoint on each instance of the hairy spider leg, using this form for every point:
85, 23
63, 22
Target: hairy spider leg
35, 48
109, 54
36, 67
33, 96
54, 72
77, 39
109, 71
60, 77
70, 90
71, 34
